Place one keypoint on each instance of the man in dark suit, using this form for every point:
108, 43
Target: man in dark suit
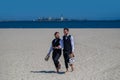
68, 49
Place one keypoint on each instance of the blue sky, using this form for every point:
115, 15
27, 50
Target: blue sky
77, 9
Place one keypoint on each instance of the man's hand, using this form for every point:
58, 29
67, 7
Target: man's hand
57, 47
72, 55
47, 57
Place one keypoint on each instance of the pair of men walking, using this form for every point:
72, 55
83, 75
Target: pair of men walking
67, 43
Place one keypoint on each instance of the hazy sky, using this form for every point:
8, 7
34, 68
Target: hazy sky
80, 9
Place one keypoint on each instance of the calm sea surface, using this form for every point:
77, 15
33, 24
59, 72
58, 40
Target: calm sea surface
62, 24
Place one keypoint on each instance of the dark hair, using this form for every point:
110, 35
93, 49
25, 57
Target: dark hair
66, 29
56, 33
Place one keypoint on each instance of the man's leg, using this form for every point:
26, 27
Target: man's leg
58, 65
72, 68
56, 57
66, 59
54, 60
71, 65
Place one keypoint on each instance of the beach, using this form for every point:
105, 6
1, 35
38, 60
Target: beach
22, 53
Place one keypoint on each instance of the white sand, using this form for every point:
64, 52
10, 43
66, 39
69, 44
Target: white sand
22, 53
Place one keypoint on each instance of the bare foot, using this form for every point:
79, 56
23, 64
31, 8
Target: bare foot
66, 71
57, 70
59, 66
72, 68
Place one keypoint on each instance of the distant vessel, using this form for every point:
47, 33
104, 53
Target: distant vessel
52, 19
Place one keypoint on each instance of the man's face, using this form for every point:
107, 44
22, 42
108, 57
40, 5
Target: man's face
57, 35
65, 32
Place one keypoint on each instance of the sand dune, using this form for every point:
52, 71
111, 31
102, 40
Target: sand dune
22, 53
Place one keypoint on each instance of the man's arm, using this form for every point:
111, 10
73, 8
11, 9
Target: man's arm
61, 43
72, 44
50, 50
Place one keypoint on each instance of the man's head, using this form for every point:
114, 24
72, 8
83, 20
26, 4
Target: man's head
66, 31
57, 35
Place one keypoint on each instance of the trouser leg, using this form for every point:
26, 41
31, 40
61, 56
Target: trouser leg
56, 57
66, 59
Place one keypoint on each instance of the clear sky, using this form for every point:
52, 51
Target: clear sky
77, 9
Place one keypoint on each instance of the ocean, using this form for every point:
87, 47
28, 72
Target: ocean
60, 24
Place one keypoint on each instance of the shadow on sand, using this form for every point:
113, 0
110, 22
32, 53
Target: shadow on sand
47, 72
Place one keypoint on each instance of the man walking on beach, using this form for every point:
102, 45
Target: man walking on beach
56, 51
68, 49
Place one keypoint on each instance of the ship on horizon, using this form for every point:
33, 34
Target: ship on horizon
52, 19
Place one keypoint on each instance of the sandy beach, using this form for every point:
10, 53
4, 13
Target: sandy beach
22, 52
